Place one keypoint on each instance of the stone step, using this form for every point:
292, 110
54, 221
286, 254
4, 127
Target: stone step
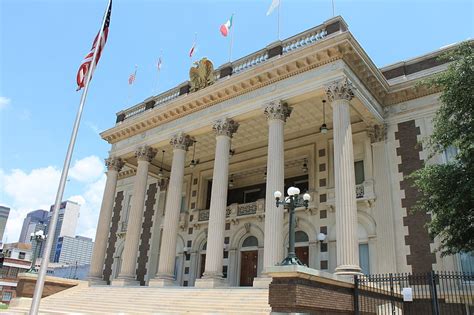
145, 300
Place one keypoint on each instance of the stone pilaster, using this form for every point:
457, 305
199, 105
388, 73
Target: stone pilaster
277, 112
165, 274
212, 276
340, 93
127, 275
114, 165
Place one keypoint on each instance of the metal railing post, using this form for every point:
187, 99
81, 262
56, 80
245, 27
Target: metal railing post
434, 293
356, 295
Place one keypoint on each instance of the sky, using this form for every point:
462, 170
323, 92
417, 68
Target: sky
43, 42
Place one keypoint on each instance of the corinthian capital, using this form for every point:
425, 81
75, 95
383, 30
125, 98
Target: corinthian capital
377, 133
340, 90
114, 164
145, 153
181, 141
225, 127
277, 110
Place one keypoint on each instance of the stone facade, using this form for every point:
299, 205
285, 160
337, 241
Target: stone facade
256, 131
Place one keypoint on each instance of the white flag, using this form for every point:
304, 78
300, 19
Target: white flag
273, 6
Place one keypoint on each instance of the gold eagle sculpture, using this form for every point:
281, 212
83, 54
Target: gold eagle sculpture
202, 74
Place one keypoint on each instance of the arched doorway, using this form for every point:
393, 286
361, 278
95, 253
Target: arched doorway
248, 261
302, 247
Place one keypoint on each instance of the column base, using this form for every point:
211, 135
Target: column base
162, 281
125, 282
209, 283
262, 282
347, 270
93, 281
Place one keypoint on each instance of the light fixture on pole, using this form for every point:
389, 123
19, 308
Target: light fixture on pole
194, 162
291, 203
160, 173
321, 237
324, 127
231, 181
304, 168
37, 237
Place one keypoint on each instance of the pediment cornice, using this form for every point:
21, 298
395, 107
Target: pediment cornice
341, 46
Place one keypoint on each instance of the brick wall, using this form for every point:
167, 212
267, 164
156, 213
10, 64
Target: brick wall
109, 256
420, 258
146, 233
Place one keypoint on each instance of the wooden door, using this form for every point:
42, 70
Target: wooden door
248, 267
303, 254
203, 264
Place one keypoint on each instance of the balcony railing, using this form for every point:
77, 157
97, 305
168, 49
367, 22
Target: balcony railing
360, 191
286, 46
237, 210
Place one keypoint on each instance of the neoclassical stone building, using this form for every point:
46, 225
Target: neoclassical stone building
192, 171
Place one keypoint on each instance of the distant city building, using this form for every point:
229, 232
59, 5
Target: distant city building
34, 221
76, 271
17, 260
73, 250
66, 225
4, 212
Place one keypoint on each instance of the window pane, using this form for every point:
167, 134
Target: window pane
301, 236
467, 262
250, 241
364, 258
359, 172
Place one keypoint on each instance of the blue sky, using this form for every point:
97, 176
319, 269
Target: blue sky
42, 43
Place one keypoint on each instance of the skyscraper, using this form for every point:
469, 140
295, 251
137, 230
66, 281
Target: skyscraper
4, 212
34, 221
67, 223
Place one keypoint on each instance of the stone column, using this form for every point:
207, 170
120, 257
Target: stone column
127, 275
165, 274
339, 94
114, 165
277, 112
212, 276
383, 209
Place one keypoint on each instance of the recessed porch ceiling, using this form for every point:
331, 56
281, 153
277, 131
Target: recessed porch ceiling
305, 119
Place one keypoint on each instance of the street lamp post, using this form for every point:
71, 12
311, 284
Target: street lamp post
36, 237
291, 202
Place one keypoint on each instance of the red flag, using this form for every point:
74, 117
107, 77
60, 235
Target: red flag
86, 63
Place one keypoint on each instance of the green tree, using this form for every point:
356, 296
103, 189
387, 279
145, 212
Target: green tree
447, 190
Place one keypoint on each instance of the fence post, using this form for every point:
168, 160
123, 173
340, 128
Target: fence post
391, 294
356, 295
433, 291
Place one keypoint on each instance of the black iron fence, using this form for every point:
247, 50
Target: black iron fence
437, 293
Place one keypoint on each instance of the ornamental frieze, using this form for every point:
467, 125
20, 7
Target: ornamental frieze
114, 163
340, 90
145, 153
277, 110
181, 141
225, 127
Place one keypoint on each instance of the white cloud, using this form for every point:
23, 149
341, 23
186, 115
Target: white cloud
26, 191
4, 102
87, 169
90, 203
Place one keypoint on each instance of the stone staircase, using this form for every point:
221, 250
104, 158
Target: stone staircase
147, 300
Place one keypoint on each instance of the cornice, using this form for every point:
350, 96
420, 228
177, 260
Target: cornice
341, 46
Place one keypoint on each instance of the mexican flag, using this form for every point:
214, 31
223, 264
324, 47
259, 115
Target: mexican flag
225, 28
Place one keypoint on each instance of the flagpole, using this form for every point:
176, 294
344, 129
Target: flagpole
130, 86
160, 60
231, 38
332, 8
62, 182
279, 5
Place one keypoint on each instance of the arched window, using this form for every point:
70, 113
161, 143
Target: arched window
301, 236
204, 247
250, 242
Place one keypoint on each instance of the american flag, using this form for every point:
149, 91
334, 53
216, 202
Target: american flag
132, 77
86, 63
158, 64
